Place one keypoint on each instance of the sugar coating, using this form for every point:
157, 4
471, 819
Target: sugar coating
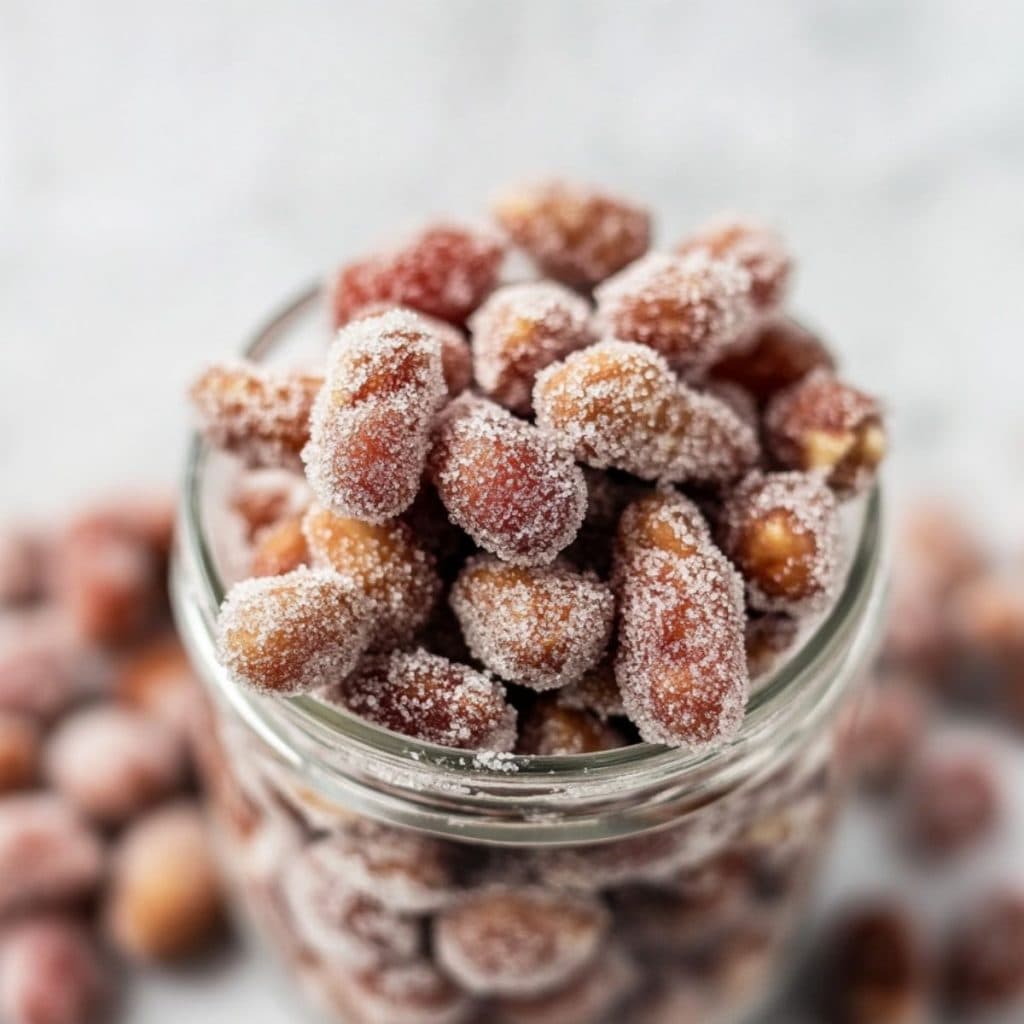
431, 699
575, 233
755, 247
111, 763
408, 872
262, 497
617, 404
261, 415
552, 729
506, 482
681, 663
782, 531
822, 423
540, 626
386, 563
48, 856
443, 270
591, 996
292, 633
595, 691
50, 973
519, 330
43, 667
456, 357
776, 353
502, 940
342, 924
280, 548
370, 424
688, 308
406, 993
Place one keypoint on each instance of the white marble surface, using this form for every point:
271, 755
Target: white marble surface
169, 172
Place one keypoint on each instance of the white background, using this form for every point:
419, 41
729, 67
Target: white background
169, 172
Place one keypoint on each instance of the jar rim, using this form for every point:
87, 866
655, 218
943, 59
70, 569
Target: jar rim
198, 590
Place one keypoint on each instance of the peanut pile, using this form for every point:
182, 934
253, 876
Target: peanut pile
616, 486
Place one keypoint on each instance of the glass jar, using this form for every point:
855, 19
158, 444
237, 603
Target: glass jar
407, 883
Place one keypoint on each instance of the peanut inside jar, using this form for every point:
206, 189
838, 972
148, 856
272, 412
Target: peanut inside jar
586, 536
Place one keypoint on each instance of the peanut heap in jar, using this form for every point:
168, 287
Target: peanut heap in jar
548, 515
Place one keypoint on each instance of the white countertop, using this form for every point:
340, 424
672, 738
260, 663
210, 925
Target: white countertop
168, 173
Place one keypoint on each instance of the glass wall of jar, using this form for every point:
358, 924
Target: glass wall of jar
407, 883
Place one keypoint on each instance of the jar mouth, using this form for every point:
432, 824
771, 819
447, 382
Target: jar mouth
199, 590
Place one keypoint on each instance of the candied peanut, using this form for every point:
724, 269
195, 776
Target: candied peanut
110, 581
506, 483
689, 308
954, 801
260, 415
518, 331
292, 633
111, 763
383, 562
43, 666
590, 996
370, 425
50, 973
681, 663
541, 627
518, 941
408, 872
22, 566
48, 855
987, 617
822, 424
260, 498
768, 636
617, 404
445, 270
595, 691
408, 993
650, 856
755, 247
575, 233
164, 901
773, 356
456, 356
984, 963
781, 530
157, 680
431, 699
549, 729
340, 923
876, 970
888, 732
280, 549
19, 752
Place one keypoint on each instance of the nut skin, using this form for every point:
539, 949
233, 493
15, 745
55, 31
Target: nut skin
261, 416
575, 233
280, 549
50, 973
19, 752
755, 247
773, 356
292, 633
444, 270
164, 901
823, 424
876, 968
